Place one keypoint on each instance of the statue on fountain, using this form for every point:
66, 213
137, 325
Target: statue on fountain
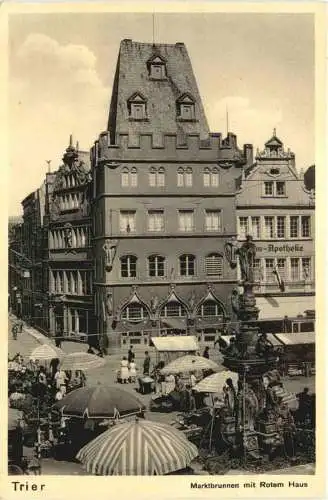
245, 255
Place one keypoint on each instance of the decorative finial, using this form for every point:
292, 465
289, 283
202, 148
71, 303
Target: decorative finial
49, 166
77, 145
71, 141
274, 132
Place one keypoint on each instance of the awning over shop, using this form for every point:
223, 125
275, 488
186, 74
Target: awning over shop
174, 344
288, 339
226, 338
174, 323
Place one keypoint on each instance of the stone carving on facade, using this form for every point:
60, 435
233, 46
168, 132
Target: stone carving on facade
154, 304
109, 303
110, 249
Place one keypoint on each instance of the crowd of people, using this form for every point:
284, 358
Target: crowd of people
47, 383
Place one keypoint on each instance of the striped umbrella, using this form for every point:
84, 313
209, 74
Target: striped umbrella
81, 361
189, 363
140, 448
214, 383
101, 401
46, 352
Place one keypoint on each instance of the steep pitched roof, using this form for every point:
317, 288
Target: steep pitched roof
132, 76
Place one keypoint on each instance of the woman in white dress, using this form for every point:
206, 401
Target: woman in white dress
132, 371
124, 370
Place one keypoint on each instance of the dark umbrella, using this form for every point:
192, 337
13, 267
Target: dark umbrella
101, 401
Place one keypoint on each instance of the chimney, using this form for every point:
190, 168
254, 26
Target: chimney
248, 154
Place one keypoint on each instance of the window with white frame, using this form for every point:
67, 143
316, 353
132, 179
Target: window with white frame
152, 177
156, 220
207, 177
180, 177
210, 308
156, 177
255, 227
280, 188
137, 107
156, 266
269, 267
211, 177
272, 188
268, 188
127, 221
128, 266
306, 226
187, 265
157, 71
129, 177
186, 108
135, 312
173, 308
188, 177
186, 220
281, 226
258, 271
212, 220
215, 177
214, 265
243, 227
294, 226
268, 227
295, 269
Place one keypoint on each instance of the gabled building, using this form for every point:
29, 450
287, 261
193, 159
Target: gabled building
164, 203
276, 208
70, 264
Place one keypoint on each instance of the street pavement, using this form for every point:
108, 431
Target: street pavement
30, 339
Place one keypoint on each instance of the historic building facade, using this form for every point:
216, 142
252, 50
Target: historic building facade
15, 268
163, 203
275, 207
70, 264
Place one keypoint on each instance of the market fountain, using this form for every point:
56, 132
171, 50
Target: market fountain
253, 428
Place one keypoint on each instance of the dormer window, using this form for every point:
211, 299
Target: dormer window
156, 68
186, 108
137, 107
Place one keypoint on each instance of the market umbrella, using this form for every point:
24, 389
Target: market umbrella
101, 401
215, 382
46, 352
189, 363
81, 361
139, 448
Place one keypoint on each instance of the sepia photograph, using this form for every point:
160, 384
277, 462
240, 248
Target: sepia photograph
161, 244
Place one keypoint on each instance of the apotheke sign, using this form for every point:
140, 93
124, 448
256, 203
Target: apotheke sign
285, 248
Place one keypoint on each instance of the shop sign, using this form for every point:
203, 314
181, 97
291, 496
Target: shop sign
284, 248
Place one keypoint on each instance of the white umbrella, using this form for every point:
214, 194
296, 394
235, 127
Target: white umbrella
46, 352
81, 361
215, 382
139, 448
188, 364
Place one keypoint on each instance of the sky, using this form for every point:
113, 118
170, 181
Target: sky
61, 68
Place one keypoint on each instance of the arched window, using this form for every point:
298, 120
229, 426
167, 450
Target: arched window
152, 177
156, 266
180, 179
173, 308
129, 266
135, 312
125, 177
207, 177
134, 177
214, 264
215, 178
188, 177
161, 177
187, 265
